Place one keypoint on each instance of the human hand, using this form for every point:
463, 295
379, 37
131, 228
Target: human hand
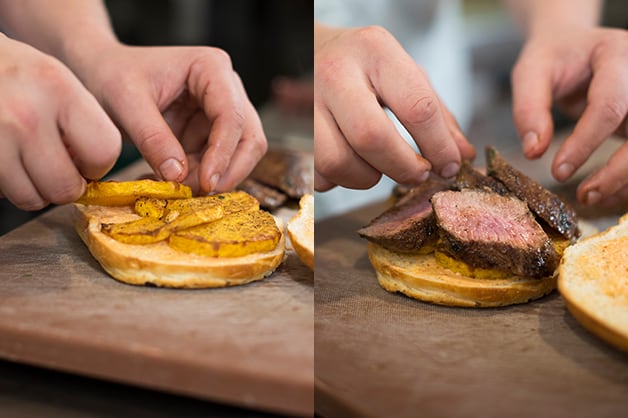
54, 133
356, 73
582, 70
184, 108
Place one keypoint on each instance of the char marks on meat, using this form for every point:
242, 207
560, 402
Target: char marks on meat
470, 178
485, 229
268, 197
290, 171
410, 223
545, 204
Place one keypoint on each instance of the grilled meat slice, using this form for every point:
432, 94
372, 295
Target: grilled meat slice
545, 204
470, 178
487, 230
268, 197
410, 223
290, 171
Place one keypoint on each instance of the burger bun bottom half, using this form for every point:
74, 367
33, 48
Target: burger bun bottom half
160, 265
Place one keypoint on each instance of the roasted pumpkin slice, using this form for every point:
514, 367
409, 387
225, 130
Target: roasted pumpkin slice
150, 206
140, 231
207, 211
235, 235
120, 193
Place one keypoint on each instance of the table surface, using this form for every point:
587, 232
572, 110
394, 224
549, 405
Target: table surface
384, 354
250, 346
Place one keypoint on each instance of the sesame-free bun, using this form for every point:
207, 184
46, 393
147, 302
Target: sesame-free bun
160, 265
419, 276
300, 229
593, 280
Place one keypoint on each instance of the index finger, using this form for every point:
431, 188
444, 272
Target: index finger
405, 89
221, 94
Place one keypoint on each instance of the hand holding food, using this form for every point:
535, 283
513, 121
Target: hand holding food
48, 122
357, 72
184, 108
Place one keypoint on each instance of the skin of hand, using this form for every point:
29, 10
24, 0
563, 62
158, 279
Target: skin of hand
583, 71
184, 108
47, 125
358, 72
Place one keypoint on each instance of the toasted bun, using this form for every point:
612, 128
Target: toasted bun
422, 278
593, 280
160, 265
301, 230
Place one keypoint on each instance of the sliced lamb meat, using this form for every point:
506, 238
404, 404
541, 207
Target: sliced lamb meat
470, 178
410, 223
485, 229
268, 197
545, 204
290, 171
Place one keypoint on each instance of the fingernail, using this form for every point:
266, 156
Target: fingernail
423, 177
171, 169
593, 197
530, 140
450, 170
564, 171
213, 181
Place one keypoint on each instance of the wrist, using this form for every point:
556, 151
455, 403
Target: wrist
84, 51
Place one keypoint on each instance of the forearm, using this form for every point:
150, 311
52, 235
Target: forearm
543, 15
64, 29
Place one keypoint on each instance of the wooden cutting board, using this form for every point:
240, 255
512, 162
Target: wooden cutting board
381, 354
252, 345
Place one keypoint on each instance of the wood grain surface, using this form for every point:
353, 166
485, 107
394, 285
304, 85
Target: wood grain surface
382, 354
250, 345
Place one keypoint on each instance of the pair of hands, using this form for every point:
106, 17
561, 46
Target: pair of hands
357, 71
184, 108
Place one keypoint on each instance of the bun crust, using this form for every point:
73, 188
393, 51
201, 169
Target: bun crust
301, 230
421, 277
593, 281
159, 264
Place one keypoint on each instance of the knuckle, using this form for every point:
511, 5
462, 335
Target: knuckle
369, 137
423, 109
21, 119
221, 56
330, 168
28, 203
372, 36
327, 70
150, 138
64, 192
613, 112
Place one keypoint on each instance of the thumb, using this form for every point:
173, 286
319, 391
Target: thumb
144, 123
532, 102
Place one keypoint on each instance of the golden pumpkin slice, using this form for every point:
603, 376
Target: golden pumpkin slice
140, 231
120, 193
232, 202
207, 211
235, 235
150, 206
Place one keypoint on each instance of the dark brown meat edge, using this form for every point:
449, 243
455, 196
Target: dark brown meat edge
545, 204
410, 223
